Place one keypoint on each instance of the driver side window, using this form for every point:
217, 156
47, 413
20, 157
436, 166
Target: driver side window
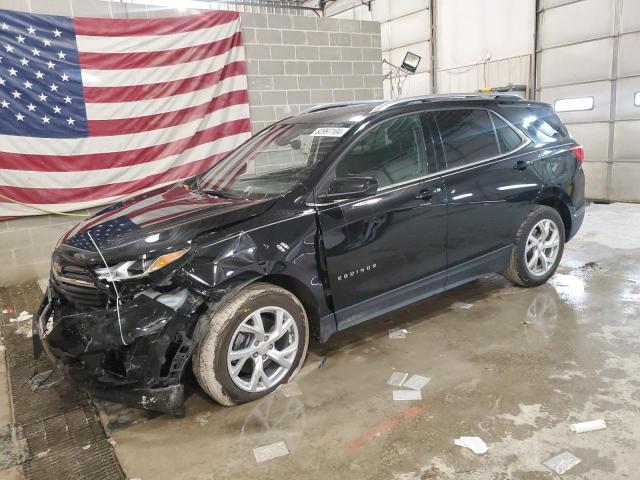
392, 152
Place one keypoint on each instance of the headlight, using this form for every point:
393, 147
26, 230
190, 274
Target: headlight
138, 268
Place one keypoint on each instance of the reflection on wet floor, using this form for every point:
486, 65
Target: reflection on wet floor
516, 369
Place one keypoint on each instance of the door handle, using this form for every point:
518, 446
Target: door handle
522, 164
427, 193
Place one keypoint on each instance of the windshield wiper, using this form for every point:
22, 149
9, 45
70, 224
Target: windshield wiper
219, 193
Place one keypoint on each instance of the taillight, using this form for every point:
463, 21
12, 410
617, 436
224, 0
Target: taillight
578, 152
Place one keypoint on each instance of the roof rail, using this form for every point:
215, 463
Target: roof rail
429, 98
325, 106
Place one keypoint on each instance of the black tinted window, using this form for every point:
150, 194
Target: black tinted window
392, 152
542, 125
467, 136
508, 139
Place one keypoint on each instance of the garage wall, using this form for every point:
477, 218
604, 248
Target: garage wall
292, 62
405, 26
600, 59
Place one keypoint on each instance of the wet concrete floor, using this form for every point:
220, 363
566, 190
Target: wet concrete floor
516, 368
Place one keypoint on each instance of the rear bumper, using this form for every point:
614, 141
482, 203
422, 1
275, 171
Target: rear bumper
137, 360
577, 217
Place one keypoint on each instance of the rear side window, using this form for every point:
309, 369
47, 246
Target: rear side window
508, 139
542, 125
467, 136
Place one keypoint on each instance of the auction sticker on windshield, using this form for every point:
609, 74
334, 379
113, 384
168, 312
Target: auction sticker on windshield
329, 132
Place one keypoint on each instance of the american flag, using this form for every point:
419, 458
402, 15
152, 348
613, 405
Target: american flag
92, 110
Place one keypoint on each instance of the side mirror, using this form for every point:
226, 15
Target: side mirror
343, 188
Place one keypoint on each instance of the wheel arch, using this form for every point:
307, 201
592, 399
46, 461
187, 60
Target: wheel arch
559, 201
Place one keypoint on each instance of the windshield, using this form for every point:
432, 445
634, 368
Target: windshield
273, 162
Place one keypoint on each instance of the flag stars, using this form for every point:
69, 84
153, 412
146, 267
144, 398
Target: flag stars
35, 52
46, 42
70, 121
19, 117
16, 94
53, 87
57, 33
62, 55
2, 81
20, 38
31, 107
67, 99
57, 109
39, 75
64, 77
45, 119
42, 97
51, 65
31, 30
4, 26
24, 62
27, 84
4, 104
13, 72
8, 48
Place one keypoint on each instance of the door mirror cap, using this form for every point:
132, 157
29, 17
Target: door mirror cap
343, 188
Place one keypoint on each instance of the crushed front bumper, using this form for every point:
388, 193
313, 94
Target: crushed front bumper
134, 356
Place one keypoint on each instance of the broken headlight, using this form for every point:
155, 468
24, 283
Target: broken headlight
138, 268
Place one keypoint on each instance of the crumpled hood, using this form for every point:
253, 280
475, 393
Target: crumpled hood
158, 220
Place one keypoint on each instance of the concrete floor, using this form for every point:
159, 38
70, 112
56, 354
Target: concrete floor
517, 368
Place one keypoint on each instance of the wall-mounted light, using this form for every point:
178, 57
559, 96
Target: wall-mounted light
410, 62
573, 104
636, 99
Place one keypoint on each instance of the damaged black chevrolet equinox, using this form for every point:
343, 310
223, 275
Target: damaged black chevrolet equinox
317, 223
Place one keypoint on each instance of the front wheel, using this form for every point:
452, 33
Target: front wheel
256, 342
537, 249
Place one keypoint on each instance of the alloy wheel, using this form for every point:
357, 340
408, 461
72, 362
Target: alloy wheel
263, 349
543, 244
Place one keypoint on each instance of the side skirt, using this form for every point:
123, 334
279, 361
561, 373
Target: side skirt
492, 262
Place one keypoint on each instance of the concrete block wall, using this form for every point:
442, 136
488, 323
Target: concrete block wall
293, 62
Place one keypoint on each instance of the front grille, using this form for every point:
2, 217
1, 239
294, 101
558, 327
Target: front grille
75, 284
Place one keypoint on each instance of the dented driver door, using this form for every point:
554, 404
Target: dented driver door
386, 250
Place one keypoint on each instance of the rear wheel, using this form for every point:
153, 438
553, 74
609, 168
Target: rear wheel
538, 248
256, 342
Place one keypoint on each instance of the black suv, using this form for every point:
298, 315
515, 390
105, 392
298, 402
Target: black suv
317, 223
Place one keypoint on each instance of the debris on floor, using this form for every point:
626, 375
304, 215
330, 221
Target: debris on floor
591, 426
24, 316
416, 382
407, 395
562, 463
203, 419
271, 451
475, 444
461, 305
322, 363
398, 333
397, 379
7, 311
44, 380
291, 390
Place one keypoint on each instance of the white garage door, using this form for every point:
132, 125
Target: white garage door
588, 65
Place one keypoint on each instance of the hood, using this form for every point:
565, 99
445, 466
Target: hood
163, 219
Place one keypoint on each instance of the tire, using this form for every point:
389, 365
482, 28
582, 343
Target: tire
211, 364
517, 270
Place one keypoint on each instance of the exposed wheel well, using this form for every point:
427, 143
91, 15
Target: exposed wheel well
302, 293
559, 206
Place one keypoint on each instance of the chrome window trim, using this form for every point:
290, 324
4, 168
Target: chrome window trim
441, 173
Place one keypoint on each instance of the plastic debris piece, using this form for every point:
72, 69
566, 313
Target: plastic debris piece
322, 362
461, 305
416, 382
24, 312
583, 427
7, 311
271, 451
475, 444
397, 379
407, 395
2, 348
563, 462
87, 447
21, 318
46, 379
291, 390
398, 333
